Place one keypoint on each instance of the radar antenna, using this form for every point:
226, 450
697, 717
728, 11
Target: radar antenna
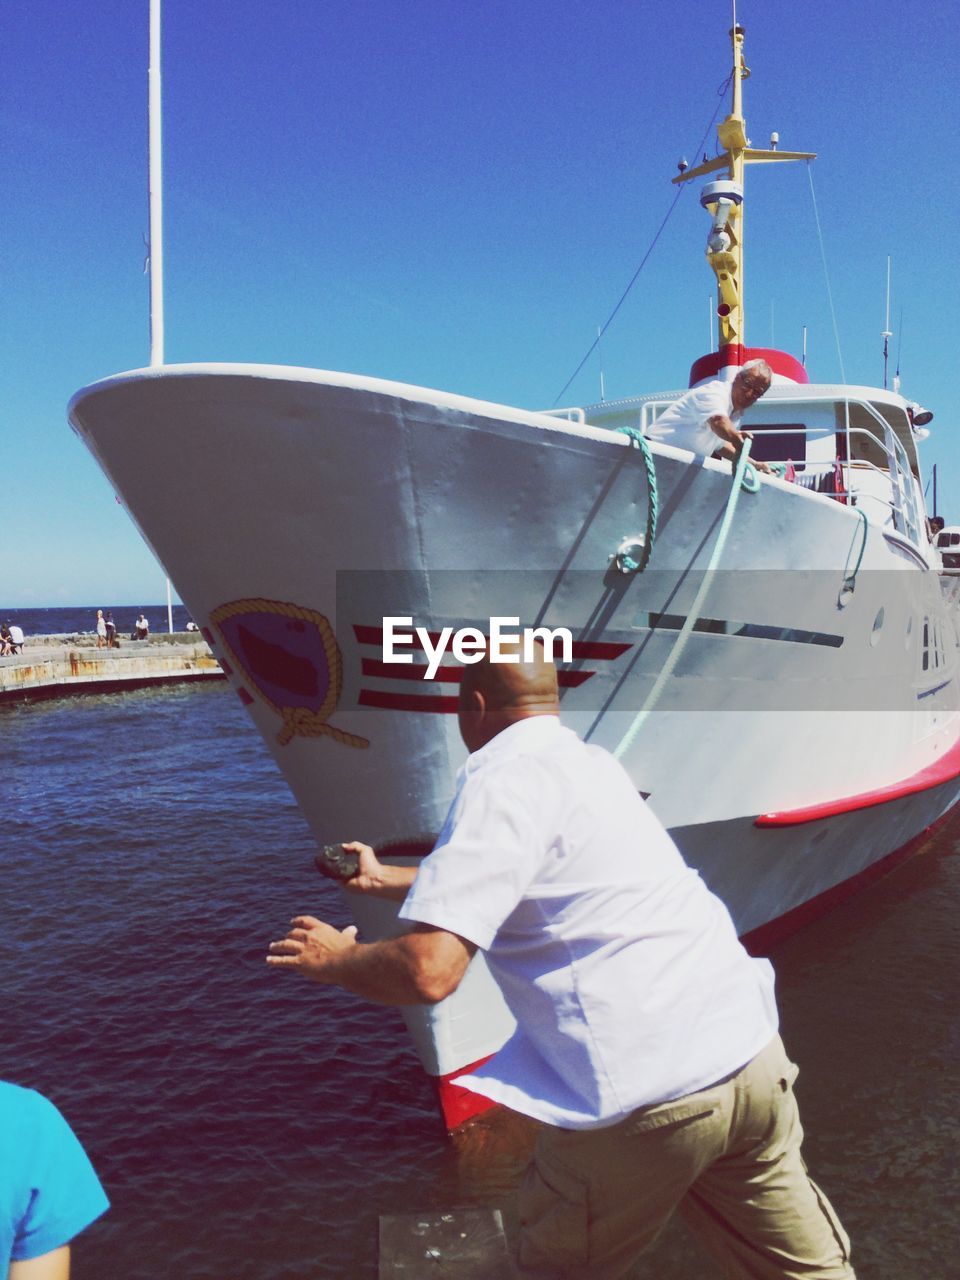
723, 198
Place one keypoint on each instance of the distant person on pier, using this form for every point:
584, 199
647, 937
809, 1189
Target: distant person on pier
111, 627
141, 628
5, 643
101, 629
49, 1191
16, 637
706, 419
646, 1040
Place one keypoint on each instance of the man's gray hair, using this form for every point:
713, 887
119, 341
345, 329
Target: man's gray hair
758, 366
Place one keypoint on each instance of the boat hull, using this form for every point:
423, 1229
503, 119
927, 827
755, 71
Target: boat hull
309, 507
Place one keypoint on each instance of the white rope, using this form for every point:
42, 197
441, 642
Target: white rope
693, 613
826, 273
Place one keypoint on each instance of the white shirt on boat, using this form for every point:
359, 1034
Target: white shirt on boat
684, 423
624, 973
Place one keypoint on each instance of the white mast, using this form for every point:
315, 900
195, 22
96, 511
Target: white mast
156, 212
156, 191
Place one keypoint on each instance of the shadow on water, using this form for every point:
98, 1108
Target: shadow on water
250, 1127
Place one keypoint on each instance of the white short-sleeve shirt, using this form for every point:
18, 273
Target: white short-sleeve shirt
624, 973
684, 423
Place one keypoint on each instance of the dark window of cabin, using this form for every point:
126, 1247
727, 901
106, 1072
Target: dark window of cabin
771, 443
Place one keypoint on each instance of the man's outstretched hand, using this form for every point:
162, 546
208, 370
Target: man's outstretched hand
312, 948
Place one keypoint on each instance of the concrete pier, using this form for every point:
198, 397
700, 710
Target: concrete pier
465, 1244
54, 666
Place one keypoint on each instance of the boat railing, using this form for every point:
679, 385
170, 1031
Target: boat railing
566, 415
908, 517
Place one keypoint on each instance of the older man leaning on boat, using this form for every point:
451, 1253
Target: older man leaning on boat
712, 412
646, 1039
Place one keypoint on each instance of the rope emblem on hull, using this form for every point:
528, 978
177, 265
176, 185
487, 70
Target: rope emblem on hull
291, 658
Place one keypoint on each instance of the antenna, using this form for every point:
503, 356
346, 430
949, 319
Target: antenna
603, 395
886, 335
156, 191
896, 376
803, 360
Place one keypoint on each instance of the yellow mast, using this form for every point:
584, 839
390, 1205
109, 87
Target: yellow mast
723, 199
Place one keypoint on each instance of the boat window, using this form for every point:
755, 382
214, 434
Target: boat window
778, 441
934, 654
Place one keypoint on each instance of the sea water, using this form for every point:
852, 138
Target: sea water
82, 619
249, 1125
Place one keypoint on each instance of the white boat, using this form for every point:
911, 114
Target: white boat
780, 678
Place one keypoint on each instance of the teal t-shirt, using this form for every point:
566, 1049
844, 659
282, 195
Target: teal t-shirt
48, 1189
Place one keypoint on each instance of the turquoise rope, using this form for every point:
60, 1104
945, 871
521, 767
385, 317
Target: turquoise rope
653, 502
849, 583
693, 613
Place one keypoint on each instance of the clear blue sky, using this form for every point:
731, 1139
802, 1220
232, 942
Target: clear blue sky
447, 194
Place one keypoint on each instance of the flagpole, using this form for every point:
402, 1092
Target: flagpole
156, 190
156, 212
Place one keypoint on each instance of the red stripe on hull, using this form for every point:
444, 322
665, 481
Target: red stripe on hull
759, 941
456, 1103
934, 775
710, 365
450, 675
582, 649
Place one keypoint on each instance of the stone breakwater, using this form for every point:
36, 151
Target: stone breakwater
51, 666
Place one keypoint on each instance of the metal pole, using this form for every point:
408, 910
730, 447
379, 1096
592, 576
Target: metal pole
169, 609
156, 191
886, 335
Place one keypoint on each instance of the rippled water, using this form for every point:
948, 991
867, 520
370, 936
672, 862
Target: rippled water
77, 619
249, 1126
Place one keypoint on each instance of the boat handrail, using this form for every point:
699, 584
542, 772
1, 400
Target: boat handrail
902, 478
577, 415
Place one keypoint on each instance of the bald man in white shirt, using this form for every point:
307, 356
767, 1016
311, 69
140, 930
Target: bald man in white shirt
646, 1039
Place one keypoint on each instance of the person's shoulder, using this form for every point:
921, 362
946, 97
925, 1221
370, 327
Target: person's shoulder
716, 392
530, 759
29, 1113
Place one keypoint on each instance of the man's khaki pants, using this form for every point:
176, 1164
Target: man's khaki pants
727, 1157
